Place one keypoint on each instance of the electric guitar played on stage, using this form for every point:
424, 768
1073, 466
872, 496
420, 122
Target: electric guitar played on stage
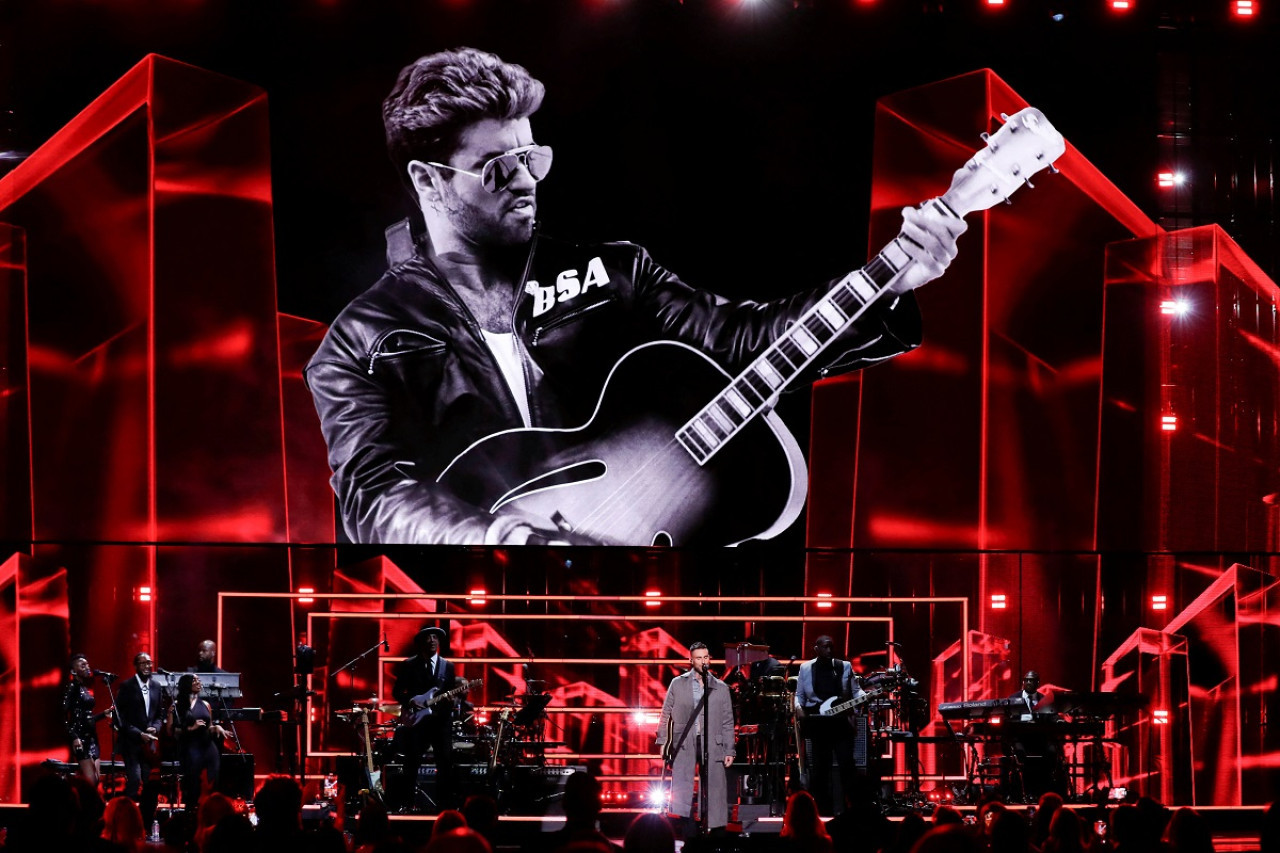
421, 706
677, 451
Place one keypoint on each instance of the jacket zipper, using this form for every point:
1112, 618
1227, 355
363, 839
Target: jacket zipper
515, 335
564, 318
375, 352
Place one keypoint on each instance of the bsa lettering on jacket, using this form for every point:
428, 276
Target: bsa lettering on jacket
569, 285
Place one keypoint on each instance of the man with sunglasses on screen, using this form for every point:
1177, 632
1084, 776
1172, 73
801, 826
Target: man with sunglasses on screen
484, 325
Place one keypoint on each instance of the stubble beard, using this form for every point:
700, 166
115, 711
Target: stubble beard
482, 228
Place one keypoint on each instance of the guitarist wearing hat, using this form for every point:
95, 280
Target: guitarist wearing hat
424, 675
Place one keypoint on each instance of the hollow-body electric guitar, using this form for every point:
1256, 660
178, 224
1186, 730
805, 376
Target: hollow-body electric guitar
661, 471
422, 706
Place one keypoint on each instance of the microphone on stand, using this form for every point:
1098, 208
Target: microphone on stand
105, 676
162, 671
386, 647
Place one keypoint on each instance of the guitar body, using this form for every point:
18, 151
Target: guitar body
623, 479
423, 705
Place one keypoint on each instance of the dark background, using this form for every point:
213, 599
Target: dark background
731, 138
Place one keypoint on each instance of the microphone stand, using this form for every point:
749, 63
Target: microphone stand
704, 775
226, 715
355, 660
115, 729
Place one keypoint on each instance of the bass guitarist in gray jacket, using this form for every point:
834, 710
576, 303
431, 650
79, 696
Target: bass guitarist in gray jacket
690, 722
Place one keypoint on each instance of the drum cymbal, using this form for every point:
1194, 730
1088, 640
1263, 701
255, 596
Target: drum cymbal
390, 708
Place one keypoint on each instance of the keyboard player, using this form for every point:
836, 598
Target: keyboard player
1029, 735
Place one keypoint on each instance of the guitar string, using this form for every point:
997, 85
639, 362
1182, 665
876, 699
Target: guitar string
600, 514
597, 515
588, 527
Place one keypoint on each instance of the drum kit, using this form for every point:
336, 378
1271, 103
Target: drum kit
504, 734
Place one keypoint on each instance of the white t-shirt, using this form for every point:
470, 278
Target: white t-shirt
505, 349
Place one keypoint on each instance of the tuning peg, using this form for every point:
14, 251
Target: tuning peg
1004, 117
1054, 169
1027, 181
984, 136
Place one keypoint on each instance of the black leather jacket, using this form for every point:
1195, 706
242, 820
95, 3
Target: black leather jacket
403, 380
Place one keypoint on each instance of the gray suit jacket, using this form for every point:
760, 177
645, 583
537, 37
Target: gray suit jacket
678, 706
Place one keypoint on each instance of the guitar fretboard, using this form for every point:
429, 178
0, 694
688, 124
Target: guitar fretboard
753, 390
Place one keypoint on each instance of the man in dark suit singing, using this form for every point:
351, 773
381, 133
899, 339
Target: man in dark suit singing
416, 677
139, 710
699, 733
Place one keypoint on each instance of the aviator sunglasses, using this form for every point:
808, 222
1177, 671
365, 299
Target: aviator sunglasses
496, 174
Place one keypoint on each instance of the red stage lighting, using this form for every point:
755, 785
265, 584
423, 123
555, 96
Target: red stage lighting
1176, 307
1169, 423
824, 603
1159, 602
999, 601
305, 590
142, 594
1160, 717
995, 2
1121, 5
1244, 8
655, 596
478, 600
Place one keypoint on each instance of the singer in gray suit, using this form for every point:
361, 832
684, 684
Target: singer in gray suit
684, 696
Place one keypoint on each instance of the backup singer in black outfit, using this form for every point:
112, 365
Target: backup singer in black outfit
198, 738
140, 713
77, 711
415, 676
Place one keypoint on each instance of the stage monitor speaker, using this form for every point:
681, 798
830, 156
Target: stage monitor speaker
235, 776
538, 790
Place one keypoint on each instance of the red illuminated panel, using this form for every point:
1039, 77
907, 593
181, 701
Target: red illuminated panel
152, 319
1190, 422
1155, 758
1012, 353
10, 787
43, 635
1231, 638
15, 481
310, 499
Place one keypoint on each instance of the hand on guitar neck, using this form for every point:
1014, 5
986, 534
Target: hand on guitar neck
928, 237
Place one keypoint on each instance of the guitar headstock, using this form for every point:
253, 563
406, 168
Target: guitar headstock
1026, 144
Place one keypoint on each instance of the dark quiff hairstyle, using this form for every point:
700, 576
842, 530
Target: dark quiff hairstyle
435, 98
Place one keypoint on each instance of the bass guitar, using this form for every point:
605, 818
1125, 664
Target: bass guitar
663, 472
834, 708
421, 706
